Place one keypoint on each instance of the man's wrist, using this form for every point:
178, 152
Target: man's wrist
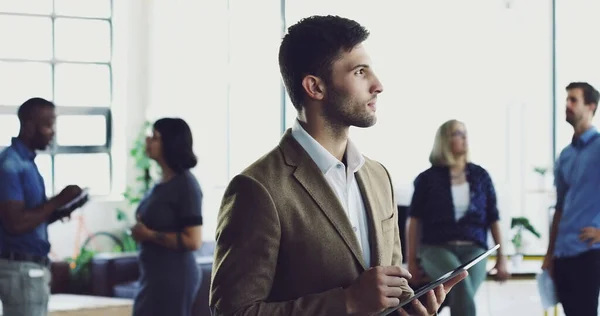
350, 306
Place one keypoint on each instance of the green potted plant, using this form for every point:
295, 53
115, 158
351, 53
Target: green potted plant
541, 171
519, 225
135, 193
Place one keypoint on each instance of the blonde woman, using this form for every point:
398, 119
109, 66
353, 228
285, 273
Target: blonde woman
452, 209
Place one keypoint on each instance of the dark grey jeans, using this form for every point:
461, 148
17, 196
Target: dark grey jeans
24, 288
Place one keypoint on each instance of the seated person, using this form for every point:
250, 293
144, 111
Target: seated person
454, 203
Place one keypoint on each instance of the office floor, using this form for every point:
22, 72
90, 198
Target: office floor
515, 298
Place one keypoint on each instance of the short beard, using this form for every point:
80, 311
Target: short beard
340, 109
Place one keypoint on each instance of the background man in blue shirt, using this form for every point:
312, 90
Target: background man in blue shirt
573, 257
25, 213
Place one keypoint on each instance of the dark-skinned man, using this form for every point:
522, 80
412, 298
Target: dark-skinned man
26, 212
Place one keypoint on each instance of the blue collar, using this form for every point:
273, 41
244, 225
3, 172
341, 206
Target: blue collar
585, 138
23, 151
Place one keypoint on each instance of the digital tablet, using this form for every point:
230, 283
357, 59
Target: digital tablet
83, 195
441, 280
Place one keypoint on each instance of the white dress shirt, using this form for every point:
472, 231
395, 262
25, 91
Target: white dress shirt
343, 183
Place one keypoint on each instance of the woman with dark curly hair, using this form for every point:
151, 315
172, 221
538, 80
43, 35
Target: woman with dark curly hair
168, 228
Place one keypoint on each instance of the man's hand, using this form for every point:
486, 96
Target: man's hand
65, 214
591, 235
67, 194
434, 299
502, 273
548, 265
375, 290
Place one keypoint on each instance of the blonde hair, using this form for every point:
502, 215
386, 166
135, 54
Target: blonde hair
441, 153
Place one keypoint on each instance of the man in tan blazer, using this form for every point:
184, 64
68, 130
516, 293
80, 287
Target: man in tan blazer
311, 228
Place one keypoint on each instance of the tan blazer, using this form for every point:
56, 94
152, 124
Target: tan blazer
284, 243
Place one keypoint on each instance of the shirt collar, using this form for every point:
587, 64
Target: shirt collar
23, 151
323, 158
585, 138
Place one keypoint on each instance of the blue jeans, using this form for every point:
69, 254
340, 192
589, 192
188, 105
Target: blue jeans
24, 288
438, 260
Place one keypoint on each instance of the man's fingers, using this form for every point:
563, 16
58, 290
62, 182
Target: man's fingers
452, 282
394, 281
419, 309
392, 291
391, 302
440, 294
396, 271
403, 312
432, 303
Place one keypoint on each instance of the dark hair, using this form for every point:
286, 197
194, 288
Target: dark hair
177, 144
28, 108
590, 94
310, 48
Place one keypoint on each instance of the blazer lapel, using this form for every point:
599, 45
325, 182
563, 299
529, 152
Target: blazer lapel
318, 188
373, 217
312, 179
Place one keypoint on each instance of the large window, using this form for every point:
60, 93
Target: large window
61, 50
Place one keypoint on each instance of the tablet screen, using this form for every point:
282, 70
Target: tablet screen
81, 196
441, 280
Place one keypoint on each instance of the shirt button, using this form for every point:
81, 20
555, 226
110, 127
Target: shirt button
354, 229
339, 166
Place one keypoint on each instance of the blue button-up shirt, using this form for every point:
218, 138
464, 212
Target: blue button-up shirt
577, 179
20, 180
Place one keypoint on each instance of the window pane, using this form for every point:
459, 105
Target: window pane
87, 8
24, 80
26, 6
81, 130
82, 85
82, 40
25, 37
44, 165
9, 128
85, 170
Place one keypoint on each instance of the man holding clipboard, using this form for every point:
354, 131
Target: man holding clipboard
25, 213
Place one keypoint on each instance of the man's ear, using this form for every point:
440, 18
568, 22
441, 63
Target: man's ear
26, 127
314, 87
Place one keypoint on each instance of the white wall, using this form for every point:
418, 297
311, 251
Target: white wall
222, 77
476, 61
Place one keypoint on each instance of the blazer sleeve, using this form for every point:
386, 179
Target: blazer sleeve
397, 252
247, 246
